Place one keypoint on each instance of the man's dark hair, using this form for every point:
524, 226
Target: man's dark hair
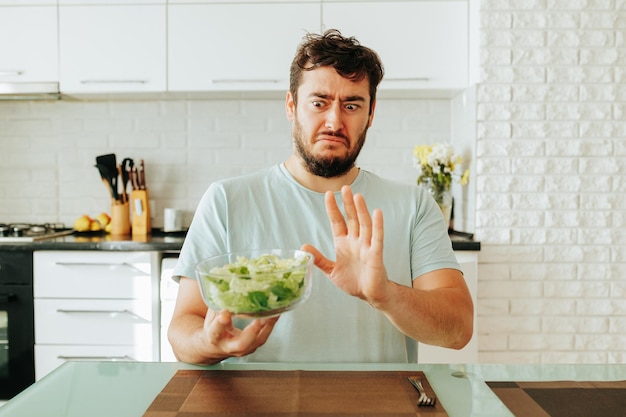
346, 55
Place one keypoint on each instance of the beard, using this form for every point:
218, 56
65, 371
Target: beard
330, 167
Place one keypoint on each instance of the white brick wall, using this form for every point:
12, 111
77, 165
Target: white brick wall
48, 148
550, 196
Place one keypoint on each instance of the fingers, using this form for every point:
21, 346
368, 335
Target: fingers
226, 340
218, 325
256, 333
378, 231
352, 214
320, 261
337, 223
357, 218
364, 220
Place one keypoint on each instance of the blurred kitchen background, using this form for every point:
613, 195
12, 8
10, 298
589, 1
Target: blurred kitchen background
541, 123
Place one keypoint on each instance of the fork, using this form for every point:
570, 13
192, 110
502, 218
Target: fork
424, 399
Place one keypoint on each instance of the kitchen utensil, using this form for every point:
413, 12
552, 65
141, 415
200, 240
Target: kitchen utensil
109, 161
121, 185
107, 179
424, 399
127, 163
142, 175
134, 178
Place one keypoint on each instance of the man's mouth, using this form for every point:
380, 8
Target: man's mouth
333, 137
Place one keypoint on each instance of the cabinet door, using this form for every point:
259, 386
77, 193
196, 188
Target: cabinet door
423, 44
233, 47
93, 322
28, 41
109, 49
92, 275
49, 357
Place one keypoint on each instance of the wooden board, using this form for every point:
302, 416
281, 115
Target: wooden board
563, 398
195, 393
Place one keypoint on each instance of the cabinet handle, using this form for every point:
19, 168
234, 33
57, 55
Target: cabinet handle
7, 298
100, 264
128, 312
10, 73
124, 358
244, 80
114, 81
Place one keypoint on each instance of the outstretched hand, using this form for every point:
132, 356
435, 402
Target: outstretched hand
358, 268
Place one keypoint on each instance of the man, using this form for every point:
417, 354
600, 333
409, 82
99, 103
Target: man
384, 285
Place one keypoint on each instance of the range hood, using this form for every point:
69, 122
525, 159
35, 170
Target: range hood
29, 91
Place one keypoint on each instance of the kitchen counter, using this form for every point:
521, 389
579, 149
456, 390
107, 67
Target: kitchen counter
98, 389
157, 241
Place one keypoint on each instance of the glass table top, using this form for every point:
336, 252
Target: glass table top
127, 388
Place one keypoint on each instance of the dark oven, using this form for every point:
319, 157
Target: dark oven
17, 334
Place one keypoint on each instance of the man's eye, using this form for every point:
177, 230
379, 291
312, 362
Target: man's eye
317, 104
352, 106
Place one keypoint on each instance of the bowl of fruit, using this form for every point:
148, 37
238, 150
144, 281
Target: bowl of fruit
256, 283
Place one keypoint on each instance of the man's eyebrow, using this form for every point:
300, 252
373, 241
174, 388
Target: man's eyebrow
344, 99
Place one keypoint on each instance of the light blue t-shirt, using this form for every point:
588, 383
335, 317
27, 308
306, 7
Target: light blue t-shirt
270, 209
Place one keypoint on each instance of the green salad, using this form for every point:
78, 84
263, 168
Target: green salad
264, 283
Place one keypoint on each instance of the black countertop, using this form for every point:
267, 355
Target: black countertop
157, 241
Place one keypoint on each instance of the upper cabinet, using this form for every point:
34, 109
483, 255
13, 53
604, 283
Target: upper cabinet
112, 48
235, 47
423, 44
28, 41
138, 46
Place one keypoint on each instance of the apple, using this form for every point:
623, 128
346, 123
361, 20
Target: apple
83, 223
104, 219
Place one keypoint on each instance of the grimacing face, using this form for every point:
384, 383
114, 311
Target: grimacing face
330, 121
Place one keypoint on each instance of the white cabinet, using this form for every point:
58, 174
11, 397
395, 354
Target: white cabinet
119, 48
235, 47
28, 41
423, 44
94, 305
468, 261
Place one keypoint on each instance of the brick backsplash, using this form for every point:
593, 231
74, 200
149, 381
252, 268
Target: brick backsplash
550, 203
49, 148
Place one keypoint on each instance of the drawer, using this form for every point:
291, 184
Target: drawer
92, 274
49, 357
93, 322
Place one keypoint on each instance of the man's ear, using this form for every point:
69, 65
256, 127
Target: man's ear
371, 117
290, 106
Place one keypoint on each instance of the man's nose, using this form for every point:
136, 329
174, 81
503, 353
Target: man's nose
333, 118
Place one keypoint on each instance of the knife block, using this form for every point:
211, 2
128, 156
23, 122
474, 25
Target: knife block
140, 213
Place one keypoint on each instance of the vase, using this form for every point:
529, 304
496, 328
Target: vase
443, 197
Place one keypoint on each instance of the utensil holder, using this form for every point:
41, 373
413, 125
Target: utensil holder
140, 212
120, 219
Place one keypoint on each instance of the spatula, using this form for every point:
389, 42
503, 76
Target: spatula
109, 161
107, 179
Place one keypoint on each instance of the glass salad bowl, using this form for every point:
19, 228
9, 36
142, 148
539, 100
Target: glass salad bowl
256, 283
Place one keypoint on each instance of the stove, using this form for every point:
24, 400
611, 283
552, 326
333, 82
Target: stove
28, 232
